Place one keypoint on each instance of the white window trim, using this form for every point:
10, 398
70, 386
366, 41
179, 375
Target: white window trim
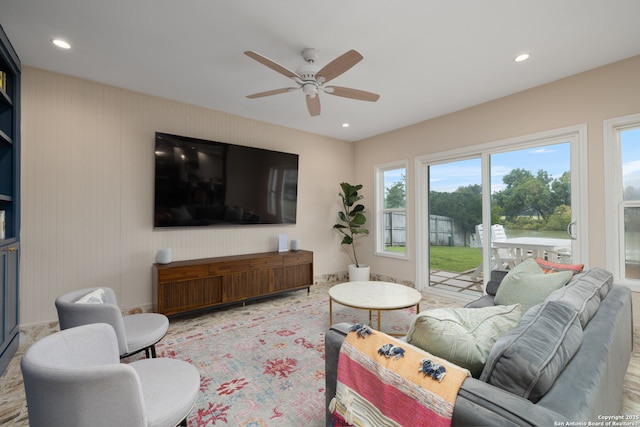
379, 203
614, 222
579, 199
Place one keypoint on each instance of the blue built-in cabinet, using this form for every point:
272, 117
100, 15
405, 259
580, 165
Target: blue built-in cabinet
9, 199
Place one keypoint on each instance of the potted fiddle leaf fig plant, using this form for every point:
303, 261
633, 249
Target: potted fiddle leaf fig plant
351, 225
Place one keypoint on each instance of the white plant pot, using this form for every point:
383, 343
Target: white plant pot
358, 274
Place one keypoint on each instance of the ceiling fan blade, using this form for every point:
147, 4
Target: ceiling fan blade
271, 64
272, 92
348, 92
338, 66
313, 105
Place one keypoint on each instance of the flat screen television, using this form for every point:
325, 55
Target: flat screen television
209, 183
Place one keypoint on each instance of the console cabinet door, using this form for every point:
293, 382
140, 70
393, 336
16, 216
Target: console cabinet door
249, 284
180, 296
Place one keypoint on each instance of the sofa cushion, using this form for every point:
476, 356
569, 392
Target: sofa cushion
527, 360
463, 336
527, 284
580, 295
597, 277
483, 301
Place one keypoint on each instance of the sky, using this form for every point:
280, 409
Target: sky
551, 158
555, 159
630, 142
394, 175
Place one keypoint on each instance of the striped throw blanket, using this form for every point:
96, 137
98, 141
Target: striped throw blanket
382, 381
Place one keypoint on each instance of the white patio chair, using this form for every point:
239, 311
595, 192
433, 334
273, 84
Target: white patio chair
504, 257
500, 257
478, 269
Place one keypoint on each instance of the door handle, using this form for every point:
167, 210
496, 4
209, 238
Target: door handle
570, 232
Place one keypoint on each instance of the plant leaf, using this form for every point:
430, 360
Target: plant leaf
359, 219
360, 231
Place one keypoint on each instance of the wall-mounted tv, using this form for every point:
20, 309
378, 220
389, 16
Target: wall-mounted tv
208, 183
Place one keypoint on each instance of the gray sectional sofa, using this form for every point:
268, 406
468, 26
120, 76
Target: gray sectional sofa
563, 364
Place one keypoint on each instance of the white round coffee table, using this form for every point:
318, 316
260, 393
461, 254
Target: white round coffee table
369, 295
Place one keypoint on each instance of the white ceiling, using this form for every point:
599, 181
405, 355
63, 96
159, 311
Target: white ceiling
425, 58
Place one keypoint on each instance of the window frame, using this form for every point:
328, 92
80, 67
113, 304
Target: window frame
614, 202
381, 210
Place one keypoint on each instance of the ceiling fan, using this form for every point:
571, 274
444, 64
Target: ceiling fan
312, 79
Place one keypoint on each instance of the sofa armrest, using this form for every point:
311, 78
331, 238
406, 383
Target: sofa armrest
477, 404
481, 404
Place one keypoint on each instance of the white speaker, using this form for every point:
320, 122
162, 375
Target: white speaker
164, 256
295, 245
283, 243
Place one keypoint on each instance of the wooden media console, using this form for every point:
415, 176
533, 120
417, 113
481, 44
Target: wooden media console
184, 286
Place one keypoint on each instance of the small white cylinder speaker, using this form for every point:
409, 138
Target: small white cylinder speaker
295, 245
164, 256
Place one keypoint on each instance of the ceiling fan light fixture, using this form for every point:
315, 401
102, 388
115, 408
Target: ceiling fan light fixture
310, 90
307, 71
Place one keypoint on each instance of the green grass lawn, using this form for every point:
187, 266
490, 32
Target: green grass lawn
459, 258
450, 258
454, 258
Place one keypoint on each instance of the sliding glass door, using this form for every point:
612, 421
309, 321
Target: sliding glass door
531, 211
510, 201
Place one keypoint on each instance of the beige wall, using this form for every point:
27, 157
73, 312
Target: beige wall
87, 176
587, 98
87, 190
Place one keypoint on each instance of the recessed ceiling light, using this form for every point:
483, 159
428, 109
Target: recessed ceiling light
61, 43
522, 57
345, 125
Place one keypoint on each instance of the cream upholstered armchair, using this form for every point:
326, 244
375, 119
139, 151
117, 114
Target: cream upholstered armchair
74, 378
135, 332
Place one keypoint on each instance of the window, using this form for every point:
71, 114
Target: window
622, 198
391, 207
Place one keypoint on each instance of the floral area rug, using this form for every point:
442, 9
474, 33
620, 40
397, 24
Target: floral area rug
264, 367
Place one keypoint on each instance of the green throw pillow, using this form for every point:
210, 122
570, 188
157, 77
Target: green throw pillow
527, 284
463, 336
